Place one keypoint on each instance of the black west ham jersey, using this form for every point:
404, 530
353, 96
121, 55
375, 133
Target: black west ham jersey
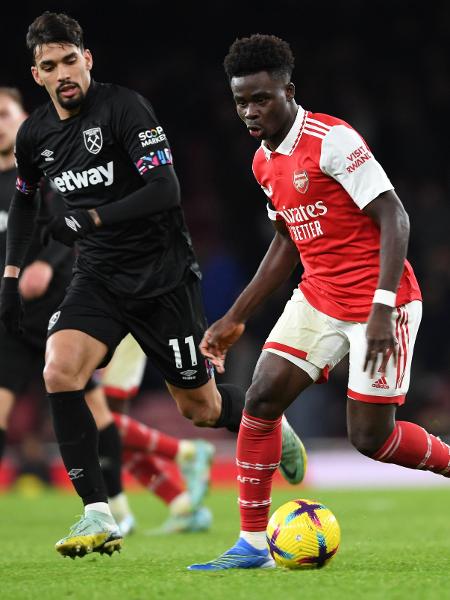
99, 156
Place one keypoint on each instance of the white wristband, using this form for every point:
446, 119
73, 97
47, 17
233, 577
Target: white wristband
385, 297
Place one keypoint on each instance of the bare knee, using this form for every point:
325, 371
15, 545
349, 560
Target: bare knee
197, 412
366, 440
200, 405
369, 425
261, 403
62, 376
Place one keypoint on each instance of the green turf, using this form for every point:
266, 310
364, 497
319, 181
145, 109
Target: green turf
395, 545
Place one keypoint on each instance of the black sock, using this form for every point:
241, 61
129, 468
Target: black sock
233, 400
110, 452
77, 437
2, 443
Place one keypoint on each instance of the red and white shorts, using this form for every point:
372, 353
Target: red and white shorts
317, 342
123, 376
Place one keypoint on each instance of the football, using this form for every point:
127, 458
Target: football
303, 534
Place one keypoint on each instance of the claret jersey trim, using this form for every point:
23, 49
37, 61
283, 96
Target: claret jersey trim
154, 159
24, 187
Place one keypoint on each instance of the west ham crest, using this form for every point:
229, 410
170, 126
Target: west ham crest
300, 181
93, 140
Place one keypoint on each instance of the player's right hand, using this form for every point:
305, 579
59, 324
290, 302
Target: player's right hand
219, 338
66, 228
11, 307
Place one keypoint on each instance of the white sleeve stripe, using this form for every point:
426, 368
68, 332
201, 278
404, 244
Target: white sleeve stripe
316, 122
316, 127
314, 133
271, 213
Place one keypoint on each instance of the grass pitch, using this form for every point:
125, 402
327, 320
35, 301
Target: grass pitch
395, 545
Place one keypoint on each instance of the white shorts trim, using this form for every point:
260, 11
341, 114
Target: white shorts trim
313, 371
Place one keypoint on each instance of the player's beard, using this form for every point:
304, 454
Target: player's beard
71, 103
6, 150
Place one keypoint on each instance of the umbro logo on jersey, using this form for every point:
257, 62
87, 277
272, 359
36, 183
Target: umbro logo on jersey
70, 181
48, 155
381, 384
301, 181
93, 140
72, 223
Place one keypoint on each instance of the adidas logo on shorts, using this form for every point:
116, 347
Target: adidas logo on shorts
381, 384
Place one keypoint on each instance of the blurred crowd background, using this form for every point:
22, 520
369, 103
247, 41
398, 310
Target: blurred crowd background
383, 67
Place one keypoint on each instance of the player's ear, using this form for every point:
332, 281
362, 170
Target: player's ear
290, 91
88, 58
35, 73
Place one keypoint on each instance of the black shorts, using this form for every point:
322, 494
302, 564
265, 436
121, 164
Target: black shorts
20, 362
168, 328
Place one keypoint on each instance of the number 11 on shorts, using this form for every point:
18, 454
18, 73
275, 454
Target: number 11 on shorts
177, 354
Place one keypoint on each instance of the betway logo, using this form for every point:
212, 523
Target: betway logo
70, 181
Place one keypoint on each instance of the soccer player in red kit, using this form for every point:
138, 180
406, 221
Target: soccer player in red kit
333, 207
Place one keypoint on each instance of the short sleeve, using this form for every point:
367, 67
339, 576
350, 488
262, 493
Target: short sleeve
346, 157
28, 175
140, 133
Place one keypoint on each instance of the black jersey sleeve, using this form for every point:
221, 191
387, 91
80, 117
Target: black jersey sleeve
24, 205
138, 130
143, 139
28, 174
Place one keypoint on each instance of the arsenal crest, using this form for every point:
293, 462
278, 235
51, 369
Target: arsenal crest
301, 181
93, 140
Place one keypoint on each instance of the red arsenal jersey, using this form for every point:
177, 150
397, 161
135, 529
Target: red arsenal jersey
318, 181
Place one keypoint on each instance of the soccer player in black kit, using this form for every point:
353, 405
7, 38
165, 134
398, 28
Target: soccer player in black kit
136, 271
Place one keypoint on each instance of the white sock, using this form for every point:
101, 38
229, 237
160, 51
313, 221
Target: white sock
99, 507
119, 506
257, 539
181, 505
186, 450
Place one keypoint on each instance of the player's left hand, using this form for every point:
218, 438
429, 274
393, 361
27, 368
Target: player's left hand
68, 227
380, 339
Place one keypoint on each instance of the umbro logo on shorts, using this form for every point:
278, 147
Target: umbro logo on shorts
53, 319
189, 374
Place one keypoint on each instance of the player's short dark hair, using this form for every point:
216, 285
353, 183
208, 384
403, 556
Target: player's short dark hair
14, 94
54, 28
257, 53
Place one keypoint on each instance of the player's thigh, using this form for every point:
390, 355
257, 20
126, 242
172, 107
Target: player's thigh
91, 310
169, 329
391, 380
72, 354
303, 333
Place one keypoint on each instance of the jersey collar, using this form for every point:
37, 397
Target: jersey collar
290, 142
